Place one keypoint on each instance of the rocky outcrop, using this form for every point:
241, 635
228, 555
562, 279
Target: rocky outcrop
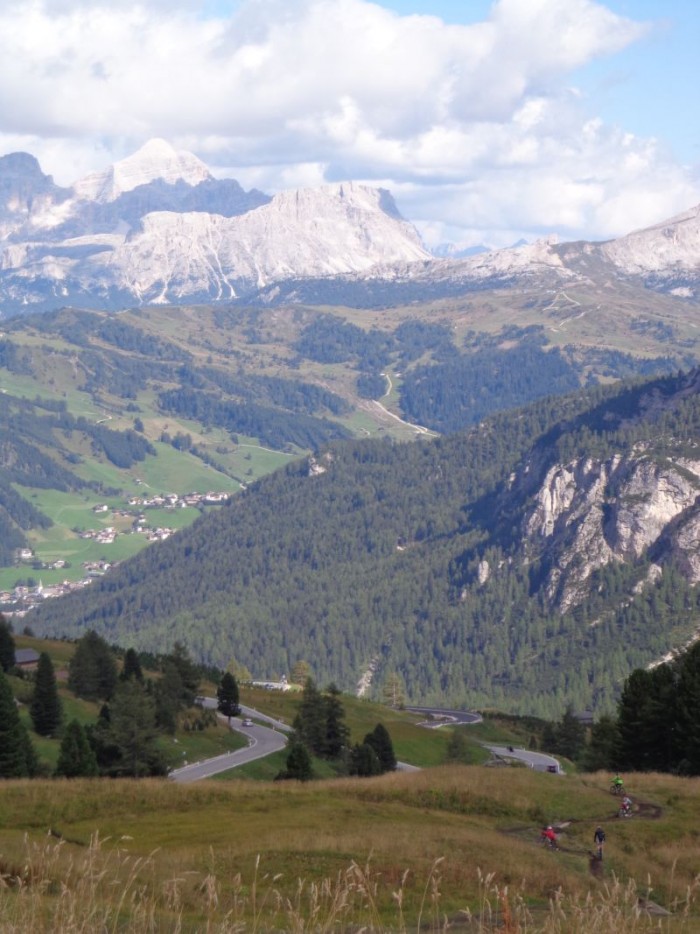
590, 512
158, 227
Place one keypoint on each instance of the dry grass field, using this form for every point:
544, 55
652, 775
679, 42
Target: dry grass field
448, 848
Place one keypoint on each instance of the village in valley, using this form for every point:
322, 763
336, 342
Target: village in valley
26, 595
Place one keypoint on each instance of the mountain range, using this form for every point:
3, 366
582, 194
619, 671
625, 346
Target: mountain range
531, 562
525, 559
158, 227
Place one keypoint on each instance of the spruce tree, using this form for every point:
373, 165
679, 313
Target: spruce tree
188, 672
686, 709
76, 757
132, 666
7, 645
299, 765
380, 741
310, 722
132, 730
168, 694
600, 752
46, 709
364, 761
17, 756
92, 671
337, 733
227, 697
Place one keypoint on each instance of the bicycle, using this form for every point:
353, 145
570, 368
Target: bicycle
617, 788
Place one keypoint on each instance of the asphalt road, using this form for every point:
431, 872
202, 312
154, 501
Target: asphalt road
262, 741
539, 761
437, 716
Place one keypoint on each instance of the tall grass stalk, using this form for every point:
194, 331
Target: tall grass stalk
101, 888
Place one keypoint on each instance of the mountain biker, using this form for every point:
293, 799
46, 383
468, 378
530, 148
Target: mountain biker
598, 841
626, 808
549, 837
617, 785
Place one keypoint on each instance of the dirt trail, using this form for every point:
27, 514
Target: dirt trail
641, 810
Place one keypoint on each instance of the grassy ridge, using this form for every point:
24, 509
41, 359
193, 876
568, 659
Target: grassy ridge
439, 841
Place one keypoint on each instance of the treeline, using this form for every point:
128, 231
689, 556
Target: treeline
136, 710
654, 728
274, 427
484, 381
294, 395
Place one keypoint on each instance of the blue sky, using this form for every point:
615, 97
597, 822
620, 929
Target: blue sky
488, 120
649, 88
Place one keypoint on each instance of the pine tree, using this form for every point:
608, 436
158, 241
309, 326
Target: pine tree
17, 756
7, 645
571, 735
76, 757
46, 709
227, 697
686, 712
631, 717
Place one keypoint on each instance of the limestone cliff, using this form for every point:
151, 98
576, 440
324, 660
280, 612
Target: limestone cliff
588, 513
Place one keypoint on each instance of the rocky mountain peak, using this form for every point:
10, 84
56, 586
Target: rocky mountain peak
156, 160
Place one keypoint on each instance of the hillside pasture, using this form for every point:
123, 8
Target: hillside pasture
433, 847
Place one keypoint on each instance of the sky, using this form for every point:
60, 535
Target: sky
489, 122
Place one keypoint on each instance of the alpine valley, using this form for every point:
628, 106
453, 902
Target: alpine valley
168, 335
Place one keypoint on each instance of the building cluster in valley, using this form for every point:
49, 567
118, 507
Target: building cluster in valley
24, 597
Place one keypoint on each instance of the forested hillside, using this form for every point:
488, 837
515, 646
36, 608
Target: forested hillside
412, 560
95, 405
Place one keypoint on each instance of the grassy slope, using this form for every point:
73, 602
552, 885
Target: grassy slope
186, 746
456, 822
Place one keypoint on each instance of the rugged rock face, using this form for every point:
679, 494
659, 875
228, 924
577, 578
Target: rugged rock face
588, 513
158, 227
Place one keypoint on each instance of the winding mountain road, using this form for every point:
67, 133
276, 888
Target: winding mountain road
268, 735
539, 761
262, 741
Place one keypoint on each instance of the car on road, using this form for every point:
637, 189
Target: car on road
247, 721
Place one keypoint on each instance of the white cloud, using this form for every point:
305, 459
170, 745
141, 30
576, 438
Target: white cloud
474, 128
